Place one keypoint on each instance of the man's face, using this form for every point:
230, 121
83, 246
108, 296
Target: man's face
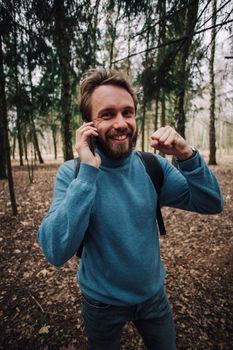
113, 114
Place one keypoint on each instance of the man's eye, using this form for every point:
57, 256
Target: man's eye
128, 113
107, 115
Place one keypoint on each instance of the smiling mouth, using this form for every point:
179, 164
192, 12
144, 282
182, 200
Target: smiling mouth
119, 137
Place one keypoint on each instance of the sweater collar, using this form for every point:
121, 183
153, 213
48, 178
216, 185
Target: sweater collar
113, 163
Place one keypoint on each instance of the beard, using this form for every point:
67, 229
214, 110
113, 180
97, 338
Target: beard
118, 151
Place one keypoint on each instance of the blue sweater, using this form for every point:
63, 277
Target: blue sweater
115, 206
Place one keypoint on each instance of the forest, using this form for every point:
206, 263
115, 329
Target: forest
178, 55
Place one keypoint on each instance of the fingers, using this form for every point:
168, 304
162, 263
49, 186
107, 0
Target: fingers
82, 146
165, 136
86, 130
168, 141
82, 135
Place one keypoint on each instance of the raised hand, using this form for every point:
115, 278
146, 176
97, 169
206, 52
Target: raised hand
82, 146
168, 141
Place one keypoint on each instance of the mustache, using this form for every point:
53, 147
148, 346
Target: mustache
123, 132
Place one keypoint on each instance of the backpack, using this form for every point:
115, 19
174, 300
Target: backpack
155, 171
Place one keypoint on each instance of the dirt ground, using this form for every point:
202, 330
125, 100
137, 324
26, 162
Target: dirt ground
40, 304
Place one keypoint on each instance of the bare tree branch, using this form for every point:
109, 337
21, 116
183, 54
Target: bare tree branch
172, 41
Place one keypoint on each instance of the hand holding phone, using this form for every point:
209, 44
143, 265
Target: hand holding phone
85, 142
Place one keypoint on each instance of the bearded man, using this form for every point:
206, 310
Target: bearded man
112, 203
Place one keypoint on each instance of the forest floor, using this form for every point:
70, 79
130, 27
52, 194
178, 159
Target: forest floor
40, 304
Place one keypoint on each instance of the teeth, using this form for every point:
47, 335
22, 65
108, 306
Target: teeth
120, 137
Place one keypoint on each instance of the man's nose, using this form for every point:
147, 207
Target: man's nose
120, 121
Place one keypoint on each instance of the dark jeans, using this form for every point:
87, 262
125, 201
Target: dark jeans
153, 319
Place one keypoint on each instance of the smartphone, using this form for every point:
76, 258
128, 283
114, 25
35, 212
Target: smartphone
91, 144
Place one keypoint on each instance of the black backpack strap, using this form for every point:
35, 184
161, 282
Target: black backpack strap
155, 171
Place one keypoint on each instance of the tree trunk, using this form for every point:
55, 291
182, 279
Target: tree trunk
3, 161
33, 127
4, 123
145, 93
161, 55
35, 141
19, 136
156, 113
212, 135
163, 114
62, 43
25, 145
163, 108
179, 113
54, 135
14, 144
182, 74
143, 124
35, 153
156, 119
18, 112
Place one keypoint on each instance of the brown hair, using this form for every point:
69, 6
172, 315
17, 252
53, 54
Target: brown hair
96, 77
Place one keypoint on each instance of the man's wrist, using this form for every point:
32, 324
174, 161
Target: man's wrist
190, 153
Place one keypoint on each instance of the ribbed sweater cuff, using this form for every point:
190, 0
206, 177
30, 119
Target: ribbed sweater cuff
190, 164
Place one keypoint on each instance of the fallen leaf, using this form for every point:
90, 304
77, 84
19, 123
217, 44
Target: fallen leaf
43, 273
44, 330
